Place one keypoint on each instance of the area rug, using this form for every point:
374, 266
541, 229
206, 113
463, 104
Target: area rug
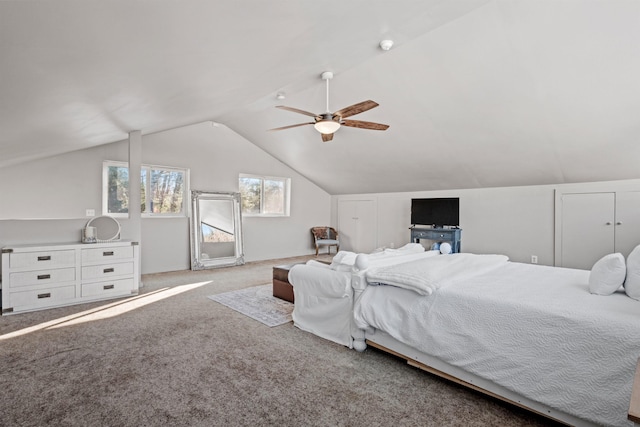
258, 303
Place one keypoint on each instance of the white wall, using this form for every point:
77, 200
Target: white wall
56, 191
516, 221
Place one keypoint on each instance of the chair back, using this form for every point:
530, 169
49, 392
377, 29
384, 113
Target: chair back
324, 233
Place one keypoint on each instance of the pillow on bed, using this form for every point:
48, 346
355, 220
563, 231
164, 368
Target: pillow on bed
607, 274
632, 282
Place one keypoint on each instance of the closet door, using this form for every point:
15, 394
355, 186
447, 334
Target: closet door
587, 228
357, 225
627, 223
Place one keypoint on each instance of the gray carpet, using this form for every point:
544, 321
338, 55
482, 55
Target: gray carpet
175, 358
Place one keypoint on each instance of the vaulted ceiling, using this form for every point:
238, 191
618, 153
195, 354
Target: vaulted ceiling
477, 93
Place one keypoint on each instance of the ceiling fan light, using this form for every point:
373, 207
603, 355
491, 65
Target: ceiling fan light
326, 126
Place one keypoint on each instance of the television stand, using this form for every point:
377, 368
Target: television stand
449, 235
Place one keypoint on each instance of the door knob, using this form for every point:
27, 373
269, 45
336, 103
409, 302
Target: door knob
619, 223
608, 223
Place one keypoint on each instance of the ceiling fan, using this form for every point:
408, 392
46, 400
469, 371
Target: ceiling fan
328, 123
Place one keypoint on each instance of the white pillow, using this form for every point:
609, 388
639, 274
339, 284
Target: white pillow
445, 248
632, 282
607, 274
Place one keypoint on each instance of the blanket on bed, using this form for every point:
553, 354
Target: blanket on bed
535, 330
427, 275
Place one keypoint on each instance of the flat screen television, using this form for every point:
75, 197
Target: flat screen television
438, 212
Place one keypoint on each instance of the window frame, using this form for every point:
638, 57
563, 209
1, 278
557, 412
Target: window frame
148, 168
287, 195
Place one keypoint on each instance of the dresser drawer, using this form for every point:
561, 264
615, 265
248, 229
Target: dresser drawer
44, 259
42, 277
106, 289
425, 235
106, 254
107, 270
26, 300
434, 234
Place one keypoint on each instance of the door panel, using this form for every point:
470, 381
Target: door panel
356, 225
587, 228
627, 225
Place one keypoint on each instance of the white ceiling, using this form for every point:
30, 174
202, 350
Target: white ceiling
477, 93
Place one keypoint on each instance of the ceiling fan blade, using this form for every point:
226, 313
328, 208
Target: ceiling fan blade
295, 110
354, 109
326, 137
292, 126
364, 125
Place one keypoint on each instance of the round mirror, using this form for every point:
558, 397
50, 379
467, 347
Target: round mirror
106, 227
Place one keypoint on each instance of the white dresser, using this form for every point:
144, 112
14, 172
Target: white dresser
35, 277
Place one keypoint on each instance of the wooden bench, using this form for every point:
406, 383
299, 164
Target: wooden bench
281, 286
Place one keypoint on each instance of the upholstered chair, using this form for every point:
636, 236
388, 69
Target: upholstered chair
325, 236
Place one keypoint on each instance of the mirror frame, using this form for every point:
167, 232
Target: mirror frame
199, 263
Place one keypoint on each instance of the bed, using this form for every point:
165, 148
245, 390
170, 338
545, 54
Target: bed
532, 335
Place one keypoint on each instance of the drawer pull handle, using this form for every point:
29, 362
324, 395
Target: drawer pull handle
44, 276
109, 253
108, 287
108, 270
44, 258
47, 295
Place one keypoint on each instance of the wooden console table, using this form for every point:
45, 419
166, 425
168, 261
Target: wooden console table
449, 235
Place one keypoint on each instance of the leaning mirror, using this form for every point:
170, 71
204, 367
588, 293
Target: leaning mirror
216, 230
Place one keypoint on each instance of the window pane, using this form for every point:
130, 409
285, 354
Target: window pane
273, 196
167, 190
250, 189
118, 189
143, 191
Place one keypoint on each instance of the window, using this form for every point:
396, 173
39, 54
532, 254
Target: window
162, 190
264, 195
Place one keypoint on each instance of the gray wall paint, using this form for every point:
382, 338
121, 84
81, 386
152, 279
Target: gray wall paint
515, 221
57, 191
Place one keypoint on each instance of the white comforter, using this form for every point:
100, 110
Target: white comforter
535, 330
426, 276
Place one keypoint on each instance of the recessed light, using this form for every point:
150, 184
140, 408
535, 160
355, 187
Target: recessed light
280, 95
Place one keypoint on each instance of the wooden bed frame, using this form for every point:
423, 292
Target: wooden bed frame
388, 344
634, 404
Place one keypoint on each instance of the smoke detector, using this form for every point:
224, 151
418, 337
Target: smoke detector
386, 44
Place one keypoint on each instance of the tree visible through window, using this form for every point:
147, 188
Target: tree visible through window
267, 196
166, 188
166, 191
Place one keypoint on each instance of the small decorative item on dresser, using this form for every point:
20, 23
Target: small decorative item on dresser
89, 235
105, 229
